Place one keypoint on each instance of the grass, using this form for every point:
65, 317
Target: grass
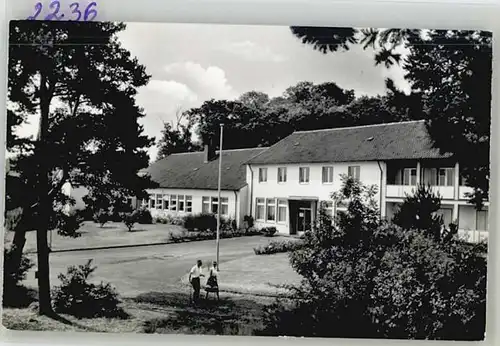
112, 234
157, 312
256, 275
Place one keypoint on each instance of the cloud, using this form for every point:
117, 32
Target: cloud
209, 82
251, 51
172, 89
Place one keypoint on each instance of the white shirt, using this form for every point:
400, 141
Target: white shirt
214, 271
195, 272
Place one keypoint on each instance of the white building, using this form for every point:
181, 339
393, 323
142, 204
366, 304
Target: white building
188, 184
289, 179
282, 185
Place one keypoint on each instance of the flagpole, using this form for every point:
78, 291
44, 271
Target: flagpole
218, 192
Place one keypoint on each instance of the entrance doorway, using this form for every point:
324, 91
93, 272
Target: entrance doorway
301, 215
304, 220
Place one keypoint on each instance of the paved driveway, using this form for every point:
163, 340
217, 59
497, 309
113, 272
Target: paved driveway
152, 268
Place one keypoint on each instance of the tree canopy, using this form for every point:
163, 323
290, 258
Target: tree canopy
255, 119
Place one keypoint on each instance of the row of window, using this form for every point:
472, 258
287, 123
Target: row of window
434, 176
304, 174
184, 203
211, 205
160, 201
271, 210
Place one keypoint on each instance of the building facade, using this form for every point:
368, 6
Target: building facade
290, 179
284, 185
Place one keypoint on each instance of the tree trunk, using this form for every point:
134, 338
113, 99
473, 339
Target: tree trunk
45, 206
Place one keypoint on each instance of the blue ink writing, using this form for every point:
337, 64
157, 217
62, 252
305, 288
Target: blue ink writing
56, 6
76, 14
76, 10
38, 9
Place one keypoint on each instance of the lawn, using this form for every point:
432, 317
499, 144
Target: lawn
256, 275
112, 234
157, 312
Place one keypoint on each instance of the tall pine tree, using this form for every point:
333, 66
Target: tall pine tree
81, 83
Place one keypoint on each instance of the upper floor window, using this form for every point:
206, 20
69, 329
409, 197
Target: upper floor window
304, 175
281, 174
354, 172
446, 177
327, 175
410, 176
262, 175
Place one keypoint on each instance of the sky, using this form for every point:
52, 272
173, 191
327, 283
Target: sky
192, 63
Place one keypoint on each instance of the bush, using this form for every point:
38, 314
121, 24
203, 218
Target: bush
370, 279
269, 231
144, 216
200, 222
68, 224
76, 296
14, 293
249, 221
278, 246
101, 217
129, 219
170, 220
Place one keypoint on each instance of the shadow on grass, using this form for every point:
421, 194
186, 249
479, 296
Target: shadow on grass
224, 317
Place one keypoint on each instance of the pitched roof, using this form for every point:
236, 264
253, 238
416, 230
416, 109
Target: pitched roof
188, 170
391, 141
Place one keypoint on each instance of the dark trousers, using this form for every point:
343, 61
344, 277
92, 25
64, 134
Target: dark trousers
195, 282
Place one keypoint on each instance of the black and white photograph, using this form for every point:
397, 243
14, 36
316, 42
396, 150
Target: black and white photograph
249, 180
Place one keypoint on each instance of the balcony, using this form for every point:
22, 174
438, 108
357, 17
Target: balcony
400, 191
463, 191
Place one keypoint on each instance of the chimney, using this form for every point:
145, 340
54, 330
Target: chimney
209, 151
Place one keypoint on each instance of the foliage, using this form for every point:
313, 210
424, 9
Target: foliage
176, 140
14, 294
170, 220
419, 212
443, 68
200, 222
269, 231
101, 217
277, 246
12, 218
130, 219
69, 224
304, 106
186, 236
249, 221
144, 216
78, 297
388, 282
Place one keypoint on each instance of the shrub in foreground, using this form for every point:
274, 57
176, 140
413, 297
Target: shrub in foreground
78, 297
370, 279
277, 246
129, 219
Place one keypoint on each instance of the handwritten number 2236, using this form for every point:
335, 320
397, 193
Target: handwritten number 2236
55, 6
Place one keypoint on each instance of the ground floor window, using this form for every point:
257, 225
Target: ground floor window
482, 220
271, 210
180, 203
210, 205
260, 209
282, 210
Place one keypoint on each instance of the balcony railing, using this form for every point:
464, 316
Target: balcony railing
400, 191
